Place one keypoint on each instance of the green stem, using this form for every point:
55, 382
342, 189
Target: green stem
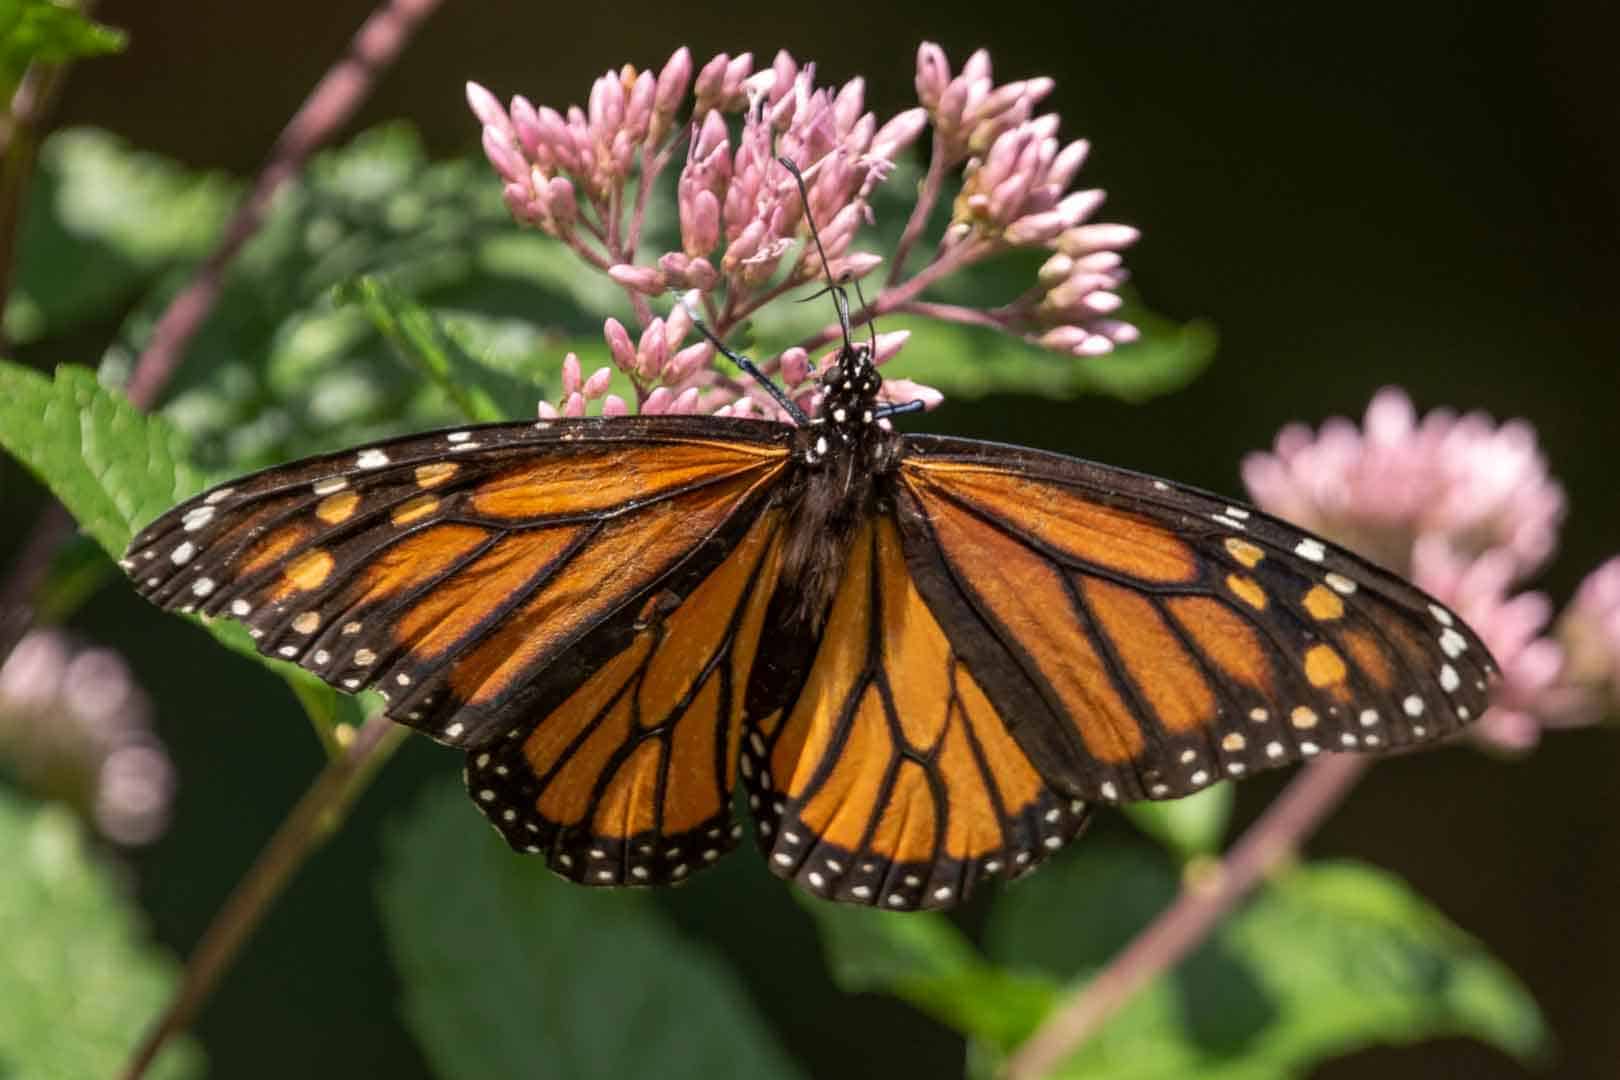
315, 817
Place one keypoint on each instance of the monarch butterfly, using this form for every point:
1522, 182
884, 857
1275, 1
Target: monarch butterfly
925, 657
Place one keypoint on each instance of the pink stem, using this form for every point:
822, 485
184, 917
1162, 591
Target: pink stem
1276, 836
314, 818
955, 313
926, 198
890, 300
328, 107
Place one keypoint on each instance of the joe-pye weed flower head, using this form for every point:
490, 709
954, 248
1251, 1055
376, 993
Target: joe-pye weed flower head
1468, 510
586, 175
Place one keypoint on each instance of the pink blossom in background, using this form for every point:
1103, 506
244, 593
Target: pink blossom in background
75, 726
1377, 487
586, 175
1466, 508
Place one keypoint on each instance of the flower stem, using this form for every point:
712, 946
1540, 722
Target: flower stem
327, 108
927, 196
955, 313
20, 135
1302, 806
312, 820
893, 299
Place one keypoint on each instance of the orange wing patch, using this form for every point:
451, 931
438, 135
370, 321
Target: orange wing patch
1084, 530
451, 570
626, 555
593, 481
1177, 689
1028, 595
893, 781
628, 780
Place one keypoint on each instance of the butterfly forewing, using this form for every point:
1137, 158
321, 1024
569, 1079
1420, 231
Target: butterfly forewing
1153, 639
472, 576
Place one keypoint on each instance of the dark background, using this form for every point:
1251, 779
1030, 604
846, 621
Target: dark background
1426, 194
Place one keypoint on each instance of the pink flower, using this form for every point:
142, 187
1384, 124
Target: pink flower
1466, 509
1589, 631
585, 175
1477, 484
75, 726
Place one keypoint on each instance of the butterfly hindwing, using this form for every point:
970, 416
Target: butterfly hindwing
1153, 639
884, 775
472, 576
628, 779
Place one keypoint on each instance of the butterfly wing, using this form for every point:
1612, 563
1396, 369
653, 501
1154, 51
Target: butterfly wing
628, 779
878, 770
567, 600
1148, 639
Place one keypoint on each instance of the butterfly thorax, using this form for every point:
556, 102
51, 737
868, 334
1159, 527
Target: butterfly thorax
846, 424
845, 456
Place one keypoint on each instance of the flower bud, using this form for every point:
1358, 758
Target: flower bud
795, 366
598, 383
487, 108
619, 345
933, 74
1089, 238
643, 279
686, 363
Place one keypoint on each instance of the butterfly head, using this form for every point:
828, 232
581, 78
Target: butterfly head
849, 409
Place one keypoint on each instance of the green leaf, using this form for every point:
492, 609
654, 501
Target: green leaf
509, 971
1195, 825
279, 371
1081, 908
419, 338
46, 32
922, 958
973, 362
103, 222
114, 467
1326, 959
79, 980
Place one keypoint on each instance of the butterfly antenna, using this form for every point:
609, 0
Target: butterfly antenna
840, 298
749, 368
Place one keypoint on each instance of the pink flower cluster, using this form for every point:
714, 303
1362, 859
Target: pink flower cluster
1468, 510
586, 176
75, 726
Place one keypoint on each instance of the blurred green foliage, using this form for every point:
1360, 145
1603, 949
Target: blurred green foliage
510, 971
78, 980
1195, 825
47, 32
105, 223
1325, 958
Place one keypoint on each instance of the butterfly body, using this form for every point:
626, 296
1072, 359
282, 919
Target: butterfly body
844, 462
921, 659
